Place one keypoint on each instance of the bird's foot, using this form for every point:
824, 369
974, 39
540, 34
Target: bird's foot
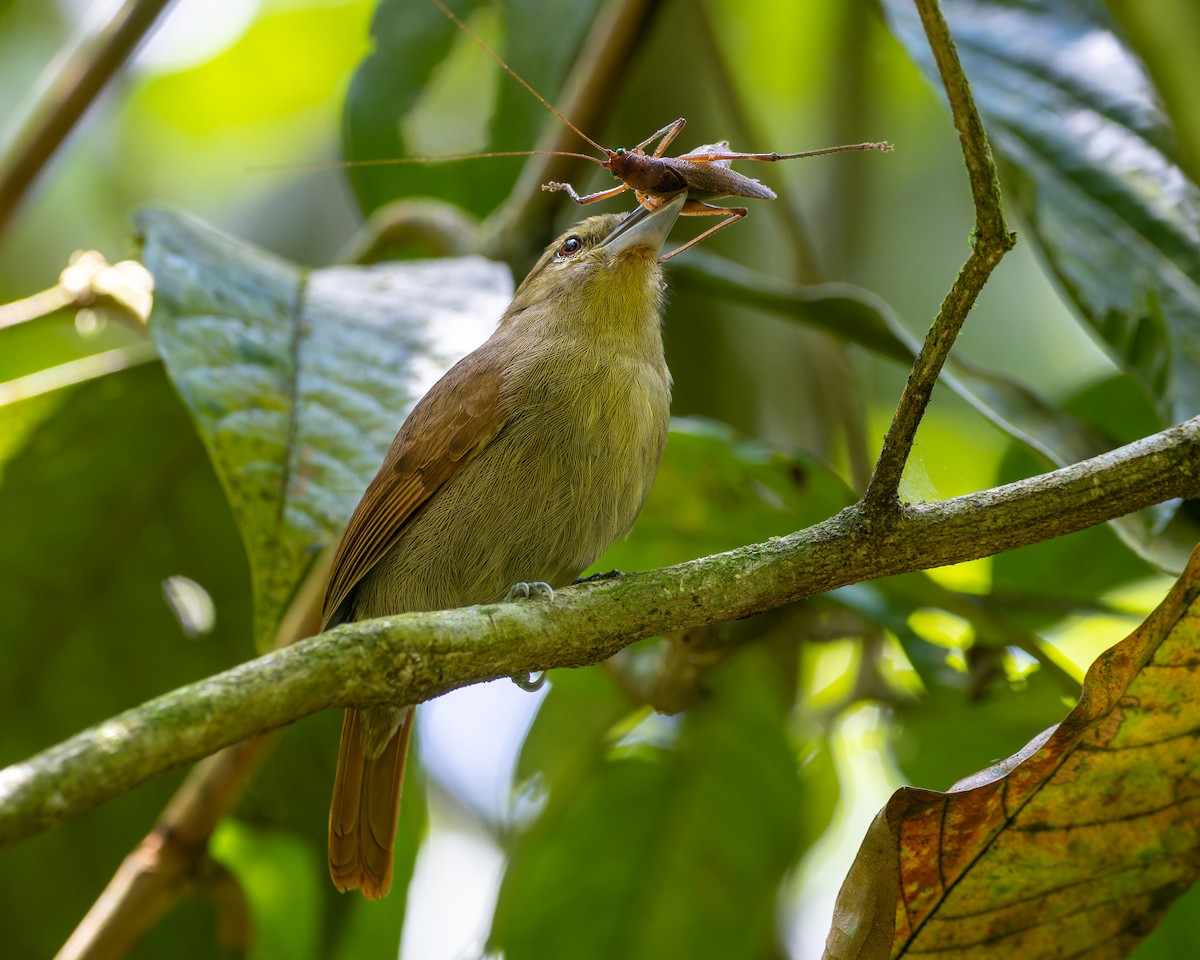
528, 682
537, 590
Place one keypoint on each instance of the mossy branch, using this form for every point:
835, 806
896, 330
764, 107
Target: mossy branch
415, 657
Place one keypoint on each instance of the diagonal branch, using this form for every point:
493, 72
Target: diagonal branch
415, 657
616, 36
72, 88
991, 241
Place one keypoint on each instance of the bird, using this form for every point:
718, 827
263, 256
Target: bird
509, 477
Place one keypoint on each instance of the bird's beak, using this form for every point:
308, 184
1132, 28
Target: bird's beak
644, 228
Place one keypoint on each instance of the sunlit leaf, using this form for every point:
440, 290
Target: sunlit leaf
298, 381
1075, 845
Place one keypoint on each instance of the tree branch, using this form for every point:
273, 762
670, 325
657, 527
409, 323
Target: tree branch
617, 34
77, 82
990, 242
415, 657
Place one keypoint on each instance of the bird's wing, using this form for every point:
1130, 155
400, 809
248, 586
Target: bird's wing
446, 430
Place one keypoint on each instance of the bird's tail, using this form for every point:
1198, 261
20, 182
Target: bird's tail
365, 808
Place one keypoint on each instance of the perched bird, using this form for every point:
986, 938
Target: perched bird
521, 465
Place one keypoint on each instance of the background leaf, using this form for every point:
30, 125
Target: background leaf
409, 70
298, 382
713, 489
1092, 166
95, 519
702, 822
1079, 841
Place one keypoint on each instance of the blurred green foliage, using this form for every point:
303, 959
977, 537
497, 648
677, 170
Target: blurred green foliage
678, 834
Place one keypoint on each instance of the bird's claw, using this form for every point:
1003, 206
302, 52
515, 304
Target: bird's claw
537, 590
528, 683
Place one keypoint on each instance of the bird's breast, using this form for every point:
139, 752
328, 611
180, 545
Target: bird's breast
565, 477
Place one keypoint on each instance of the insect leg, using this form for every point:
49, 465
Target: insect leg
668, 133
555, 186
773, 157
694, 208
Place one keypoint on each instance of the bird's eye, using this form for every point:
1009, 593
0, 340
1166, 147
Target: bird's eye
571, 246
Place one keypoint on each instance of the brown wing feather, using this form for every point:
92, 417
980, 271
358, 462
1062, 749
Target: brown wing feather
445, 431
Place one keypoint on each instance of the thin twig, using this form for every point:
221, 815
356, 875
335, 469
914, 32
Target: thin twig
415, 657
991, 241
76, 371
76, 82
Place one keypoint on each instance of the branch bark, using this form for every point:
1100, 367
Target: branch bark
416, 657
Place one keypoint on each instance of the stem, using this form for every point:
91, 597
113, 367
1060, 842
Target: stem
80, 77
588, 99
991, 241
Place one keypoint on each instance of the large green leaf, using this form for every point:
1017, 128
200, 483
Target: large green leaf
111, 496
1093, 167
298, 381
671, 850
1062, 437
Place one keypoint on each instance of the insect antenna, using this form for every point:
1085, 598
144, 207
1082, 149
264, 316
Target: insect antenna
392, 161
453, 17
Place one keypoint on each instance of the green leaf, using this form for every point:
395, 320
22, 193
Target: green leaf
579, 710
862, 318
946, 735
664, 851
298, 381
112, 495
277, 872
1083, 566
1093, 167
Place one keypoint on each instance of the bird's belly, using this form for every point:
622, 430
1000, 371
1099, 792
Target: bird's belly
541, 502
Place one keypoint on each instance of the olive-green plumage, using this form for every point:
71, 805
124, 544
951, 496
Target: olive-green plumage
523, 463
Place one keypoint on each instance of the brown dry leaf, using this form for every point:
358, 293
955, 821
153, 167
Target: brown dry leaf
1073, 847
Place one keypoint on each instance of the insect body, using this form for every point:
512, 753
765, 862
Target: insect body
705, 172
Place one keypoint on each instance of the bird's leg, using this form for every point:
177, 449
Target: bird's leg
537, 590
